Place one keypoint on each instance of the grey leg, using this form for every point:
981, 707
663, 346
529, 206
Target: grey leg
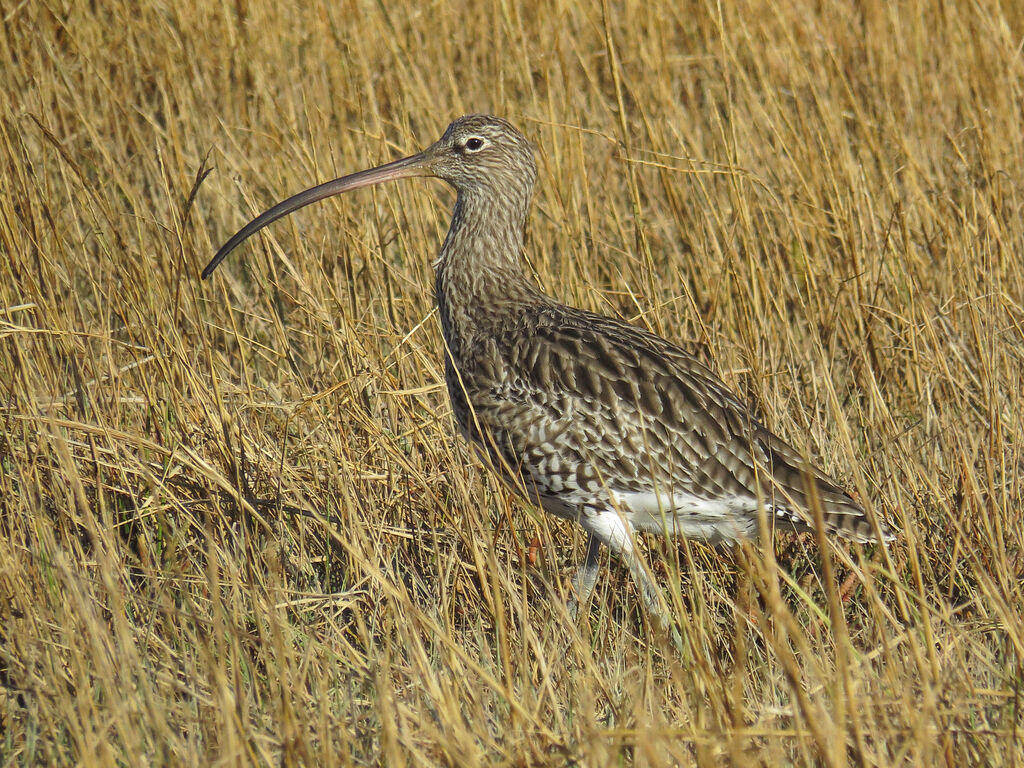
624, 548
648, 590
652, 598
586, 576
612, 530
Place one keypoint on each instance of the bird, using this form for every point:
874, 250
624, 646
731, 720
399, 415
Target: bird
591, 418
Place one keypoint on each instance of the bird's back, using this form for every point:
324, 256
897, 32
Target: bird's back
584, 413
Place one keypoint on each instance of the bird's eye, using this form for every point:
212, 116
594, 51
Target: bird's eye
474, 144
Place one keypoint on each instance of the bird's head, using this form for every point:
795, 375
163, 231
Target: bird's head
479, 155
482, 152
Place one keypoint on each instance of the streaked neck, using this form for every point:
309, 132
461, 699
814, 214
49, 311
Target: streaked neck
479, 272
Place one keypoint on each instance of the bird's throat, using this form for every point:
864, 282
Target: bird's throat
479, 273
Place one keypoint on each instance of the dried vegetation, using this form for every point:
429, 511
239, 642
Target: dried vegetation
235, 524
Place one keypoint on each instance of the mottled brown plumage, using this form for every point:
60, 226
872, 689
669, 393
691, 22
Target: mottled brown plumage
591, 418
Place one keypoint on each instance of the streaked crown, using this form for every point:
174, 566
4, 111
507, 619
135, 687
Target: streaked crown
485, 153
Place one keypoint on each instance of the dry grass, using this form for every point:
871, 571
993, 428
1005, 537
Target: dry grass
235, 525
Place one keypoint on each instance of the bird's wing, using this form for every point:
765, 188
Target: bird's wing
579, 405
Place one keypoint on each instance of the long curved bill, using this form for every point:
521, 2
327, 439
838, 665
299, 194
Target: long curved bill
416, 165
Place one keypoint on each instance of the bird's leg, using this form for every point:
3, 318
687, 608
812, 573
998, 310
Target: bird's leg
586, 576
622, 545
610, 528
648, 591
652, 597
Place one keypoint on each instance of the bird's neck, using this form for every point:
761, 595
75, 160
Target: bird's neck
479, 273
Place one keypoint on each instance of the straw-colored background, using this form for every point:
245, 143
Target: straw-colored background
236, 525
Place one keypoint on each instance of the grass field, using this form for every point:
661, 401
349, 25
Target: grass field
236, 524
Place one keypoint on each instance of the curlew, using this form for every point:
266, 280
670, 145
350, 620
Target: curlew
591, 418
